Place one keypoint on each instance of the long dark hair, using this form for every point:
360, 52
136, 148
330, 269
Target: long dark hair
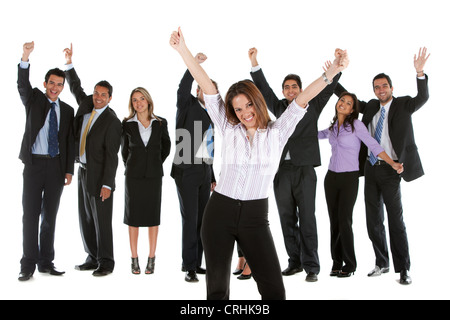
348, 122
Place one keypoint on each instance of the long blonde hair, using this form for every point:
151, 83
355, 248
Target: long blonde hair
147, 97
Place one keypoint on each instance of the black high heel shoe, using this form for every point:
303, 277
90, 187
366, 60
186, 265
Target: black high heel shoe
135, 269
244, 276
150, 266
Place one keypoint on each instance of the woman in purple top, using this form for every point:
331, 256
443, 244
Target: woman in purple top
345, 135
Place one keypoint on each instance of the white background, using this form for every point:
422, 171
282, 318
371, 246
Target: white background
126, 43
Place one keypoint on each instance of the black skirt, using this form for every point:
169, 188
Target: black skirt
142, 202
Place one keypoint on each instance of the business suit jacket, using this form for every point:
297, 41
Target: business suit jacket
400, 127
102, 142
145, 161
37, 107
189, 112
303, 145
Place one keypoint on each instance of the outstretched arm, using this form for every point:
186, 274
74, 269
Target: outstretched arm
340, 63
200, 76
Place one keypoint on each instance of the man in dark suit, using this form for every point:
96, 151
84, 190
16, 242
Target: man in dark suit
48, 156
381, 184
296, 180
97, 133
192, 170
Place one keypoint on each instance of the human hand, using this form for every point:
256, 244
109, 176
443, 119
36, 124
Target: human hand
201, 57
398, 167
342, 59
420, 60
105, 193
28, 47
68, 179
327, 65
252, 54
177, 40
68, 54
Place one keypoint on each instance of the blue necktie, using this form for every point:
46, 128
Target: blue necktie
53, 133
378, 131
210, 141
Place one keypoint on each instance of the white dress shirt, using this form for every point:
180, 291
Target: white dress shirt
248, 168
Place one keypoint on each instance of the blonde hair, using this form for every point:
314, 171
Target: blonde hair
147, 97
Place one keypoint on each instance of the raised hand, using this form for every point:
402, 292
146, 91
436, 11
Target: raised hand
68, 54
27, 49
420, 60
252, 54
177, 40
201, 57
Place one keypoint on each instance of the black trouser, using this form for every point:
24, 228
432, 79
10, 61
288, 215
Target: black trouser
295, 194
95, 224
227, 221
194, 189
382, 185
341, 191
43, 184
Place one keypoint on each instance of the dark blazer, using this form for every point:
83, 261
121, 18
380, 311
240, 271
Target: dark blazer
102, 142
303, 145
145, 160
37, 107
400, 126
189, 112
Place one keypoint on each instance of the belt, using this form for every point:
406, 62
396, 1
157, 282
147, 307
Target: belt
44, 156
381, 162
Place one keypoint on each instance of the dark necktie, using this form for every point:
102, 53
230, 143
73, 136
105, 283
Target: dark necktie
53, 133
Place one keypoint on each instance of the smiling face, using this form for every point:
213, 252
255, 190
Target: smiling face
245, 111
383, 90
140, 104
53, 87
291, 90
101, 97
344, 106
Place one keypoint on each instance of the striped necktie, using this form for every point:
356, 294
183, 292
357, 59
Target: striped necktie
210, 141
86, 130
378, 131
53, 148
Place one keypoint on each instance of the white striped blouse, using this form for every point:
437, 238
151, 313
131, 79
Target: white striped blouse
248, 169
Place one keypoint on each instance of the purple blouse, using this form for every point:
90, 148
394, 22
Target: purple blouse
346, 144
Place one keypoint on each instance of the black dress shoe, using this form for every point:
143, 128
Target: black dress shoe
101, 272
289, 271
51, 270
25, 276
344, 274
86, 266
311, 277
198, 270
191, 276
334, 273
405, 277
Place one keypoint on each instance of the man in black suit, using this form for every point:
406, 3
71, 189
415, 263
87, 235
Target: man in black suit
383, 185
48, 156
192, 170
296, 180
97, 133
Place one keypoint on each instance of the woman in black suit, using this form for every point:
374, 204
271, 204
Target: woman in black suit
145, 146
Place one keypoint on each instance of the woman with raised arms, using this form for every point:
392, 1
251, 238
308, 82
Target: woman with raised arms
252, 146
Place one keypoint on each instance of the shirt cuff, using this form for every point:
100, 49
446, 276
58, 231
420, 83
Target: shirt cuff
24, 64
257, 68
